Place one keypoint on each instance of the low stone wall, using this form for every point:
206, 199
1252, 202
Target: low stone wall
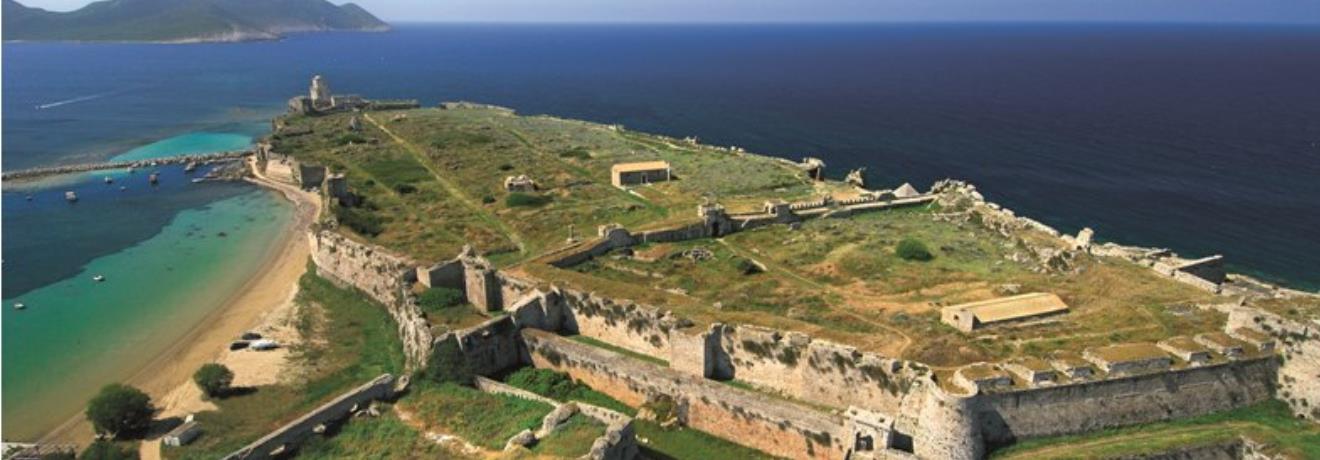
382, 276
757, 421
293, 433
1299, 344
619, 441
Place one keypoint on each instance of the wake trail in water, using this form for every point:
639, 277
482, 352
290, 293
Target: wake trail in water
81, 99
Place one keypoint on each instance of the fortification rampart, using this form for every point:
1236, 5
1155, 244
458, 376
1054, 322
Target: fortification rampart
776, 427
1299, 344
381, 276
290, 435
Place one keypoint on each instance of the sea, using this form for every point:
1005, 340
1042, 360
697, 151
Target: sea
1200, 138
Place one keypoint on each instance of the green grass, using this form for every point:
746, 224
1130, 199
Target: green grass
559, 386
350, 340
484, 419
623, 351
572, 440
689, 444
1269, 422
373, 438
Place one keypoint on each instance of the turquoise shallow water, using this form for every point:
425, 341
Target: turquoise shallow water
187, 144
77, 334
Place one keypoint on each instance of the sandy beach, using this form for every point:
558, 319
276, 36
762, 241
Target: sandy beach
263, 299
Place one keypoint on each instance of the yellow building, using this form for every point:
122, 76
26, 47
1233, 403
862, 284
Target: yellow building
646, 172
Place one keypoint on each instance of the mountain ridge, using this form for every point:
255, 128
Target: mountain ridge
184, 21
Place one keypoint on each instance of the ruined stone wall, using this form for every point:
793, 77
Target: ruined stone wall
293, 433
382, 276
490, 347
1299, 345
1091, 406
757, 421
635, 327
816, 371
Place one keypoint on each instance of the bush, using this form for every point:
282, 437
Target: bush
487, 199
105, 450
405, 189
214, 379
557, 385
580, 153
910, 249
448, 364
518, 199
506, 167
438, 298
363, 222
350, 139
120, 410
748, 267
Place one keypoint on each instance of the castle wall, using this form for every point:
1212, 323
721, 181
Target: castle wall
631, 326
382, 276
1091, 406
490, 347
1299, 344
757, 421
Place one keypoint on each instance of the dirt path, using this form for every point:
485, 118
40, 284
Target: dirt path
453, 189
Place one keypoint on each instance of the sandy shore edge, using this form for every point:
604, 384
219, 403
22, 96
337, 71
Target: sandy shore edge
270, 288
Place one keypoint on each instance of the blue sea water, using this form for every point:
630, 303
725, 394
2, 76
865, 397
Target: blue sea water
1201, 138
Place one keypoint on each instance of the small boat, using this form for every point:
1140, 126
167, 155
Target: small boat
154, 178
29, 197
122, 188
72, 197
131, 170
198, 180
98, 278
19, 306
109, 180
190, 167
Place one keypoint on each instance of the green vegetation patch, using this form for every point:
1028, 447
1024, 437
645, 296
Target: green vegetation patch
484, 419
374, 438
1270, 423
347, 341
573, 440
559, 386
680, 443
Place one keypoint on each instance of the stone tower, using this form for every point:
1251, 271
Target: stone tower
320, 93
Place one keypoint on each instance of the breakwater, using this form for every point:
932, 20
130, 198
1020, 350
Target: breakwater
84, 167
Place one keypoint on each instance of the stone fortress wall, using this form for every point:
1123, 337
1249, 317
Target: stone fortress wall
287, 437
927, 420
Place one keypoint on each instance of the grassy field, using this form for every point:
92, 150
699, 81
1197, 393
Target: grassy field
572, 440
374, 438
348, 340
687, 444
487, 420
1269, 423
433, 180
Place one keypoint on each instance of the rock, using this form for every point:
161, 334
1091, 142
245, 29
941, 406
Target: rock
555, 418
1008, 289
522, 439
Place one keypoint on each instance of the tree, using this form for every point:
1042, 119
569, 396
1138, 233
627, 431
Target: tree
910, 249
214, 379
105, 450
120, 410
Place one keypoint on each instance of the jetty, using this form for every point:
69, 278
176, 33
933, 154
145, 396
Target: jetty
134, 164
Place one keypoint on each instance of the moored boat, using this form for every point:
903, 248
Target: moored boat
72, 197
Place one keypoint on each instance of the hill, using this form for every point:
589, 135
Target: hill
184, 20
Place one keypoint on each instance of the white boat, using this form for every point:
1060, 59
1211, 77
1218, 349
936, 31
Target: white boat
109, 180
19, 306
69, 195
98, 278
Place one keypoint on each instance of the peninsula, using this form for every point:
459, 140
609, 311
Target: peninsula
491, 285
184, 21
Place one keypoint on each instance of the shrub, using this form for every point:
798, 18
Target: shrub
448, 364
214, 379
487, 199
120, 410
350, 139
557, 385
105, 450
748, 267
438, 298
363, 222
580, 153
405, 189
518, 199
911, 249
506, 167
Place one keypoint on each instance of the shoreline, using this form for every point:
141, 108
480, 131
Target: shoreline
268, 288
